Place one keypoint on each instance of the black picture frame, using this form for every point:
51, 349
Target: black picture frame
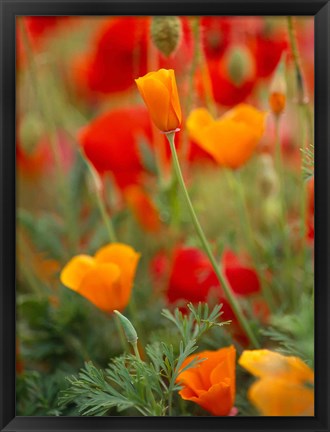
9, 9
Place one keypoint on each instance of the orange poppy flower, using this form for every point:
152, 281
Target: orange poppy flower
106, 279
211, 383
286, 384
143, 208
231, 139
160, 94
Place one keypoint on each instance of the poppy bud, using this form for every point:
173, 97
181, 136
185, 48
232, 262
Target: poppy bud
240, 65
277, 96
129, 330
159, 92
166, 33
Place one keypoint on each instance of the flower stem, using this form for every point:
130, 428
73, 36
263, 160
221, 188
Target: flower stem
100, 203
136, 350
218, 271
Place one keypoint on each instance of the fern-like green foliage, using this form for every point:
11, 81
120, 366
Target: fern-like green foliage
294, 333
146, 386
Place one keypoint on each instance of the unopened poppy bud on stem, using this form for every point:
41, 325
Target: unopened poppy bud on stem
240, 65
160, 94
277, 96
129, 330
166, 33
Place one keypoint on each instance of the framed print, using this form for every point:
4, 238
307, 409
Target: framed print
165, 219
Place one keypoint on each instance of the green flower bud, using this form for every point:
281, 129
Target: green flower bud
166, 33
129, 330
240, 64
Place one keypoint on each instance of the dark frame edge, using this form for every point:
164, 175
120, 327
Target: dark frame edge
8, 421
322, 205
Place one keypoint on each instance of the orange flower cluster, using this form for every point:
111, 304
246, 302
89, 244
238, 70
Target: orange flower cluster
285, 386
106, 279
211, 382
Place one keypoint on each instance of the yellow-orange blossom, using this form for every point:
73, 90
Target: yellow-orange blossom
160, 94
106, 279
231, 139
285, 386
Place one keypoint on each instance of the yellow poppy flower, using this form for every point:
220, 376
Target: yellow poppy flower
231, 139
106, 279
285, 386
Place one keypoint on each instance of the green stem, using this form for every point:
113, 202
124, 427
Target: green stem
136, 350
100, 203
218, 271
170, 403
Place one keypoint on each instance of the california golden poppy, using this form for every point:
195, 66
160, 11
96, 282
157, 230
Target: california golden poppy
286, 384
210, 383
106, 279
231, 139
160, 94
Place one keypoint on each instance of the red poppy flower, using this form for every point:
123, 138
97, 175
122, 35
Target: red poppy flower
225, 90
192, 276
216, 32
111, 140
267, 49
242, 278
119, 55
192, 279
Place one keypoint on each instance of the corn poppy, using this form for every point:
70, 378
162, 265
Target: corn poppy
233, 77
119, 53
216, 35
211, 382
267, 47
106, 279
232, 139
192, 278
111, 143
160, 94
285, 386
